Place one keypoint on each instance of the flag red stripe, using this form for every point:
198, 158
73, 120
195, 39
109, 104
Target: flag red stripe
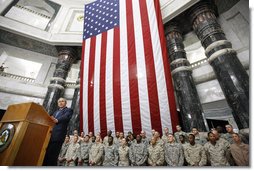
81, 86
103, 119
116, 82
91, 85
171, 97
150, 69
133, 82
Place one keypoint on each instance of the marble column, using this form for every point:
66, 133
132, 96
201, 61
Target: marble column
190, 107
229, 71
74, 122
66, 56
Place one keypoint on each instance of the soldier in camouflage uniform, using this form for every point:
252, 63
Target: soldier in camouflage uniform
85, 147
228, 136
240, 151
194, 153
165, 135
61, 158
96, 153
117, 140
179, 132
90, 136
226, 145
159, 141
153, 132
72, 152
216, 152
173, 152
182, 141
155, 154
123, 153
198, 138
138, 153
144, 138
111, 154
105, 139
131, 139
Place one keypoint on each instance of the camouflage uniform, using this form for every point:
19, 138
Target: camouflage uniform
195, 155
217, 154
84, 152
176, 135
226, 144
123, 156
62, 154
145, 141
200, 140
174, 154
228, 137
111, 156
155, 155
160, 142
96, 153
138, 154
117, 142
72, 153
164, 138
105, 141
132, 142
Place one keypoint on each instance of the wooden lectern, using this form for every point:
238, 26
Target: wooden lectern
25, 131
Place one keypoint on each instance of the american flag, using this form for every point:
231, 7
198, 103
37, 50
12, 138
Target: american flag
125, 80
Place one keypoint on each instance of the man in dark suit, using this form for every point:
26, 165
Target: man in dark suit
61, 118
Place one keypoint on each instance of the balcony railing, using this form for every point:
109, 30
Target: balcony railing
17, 77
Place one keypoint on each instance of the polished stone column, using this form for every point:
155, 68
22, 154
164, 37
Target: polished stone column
190, 107
66, 56
74, 122
230, 73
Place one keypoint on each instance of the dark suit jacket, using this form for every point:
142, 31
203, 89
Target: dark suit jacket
60, 129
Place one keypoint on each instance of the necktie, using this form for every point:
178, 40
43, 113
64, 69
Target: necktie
57, 113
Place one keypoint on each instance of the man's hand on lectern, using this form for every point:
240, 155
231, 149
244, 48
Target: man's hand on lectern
54, 119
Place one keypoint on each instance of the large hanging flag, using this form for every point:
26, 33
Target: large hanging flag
125, 80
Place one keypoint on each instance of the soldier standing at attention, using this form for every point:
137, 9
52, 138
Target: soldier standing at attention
61, 159
216, 152
199, 139
155, 154
90, 136
72, 152
179, 132
85, 147
105, 139
116, 139
173, 152
159, 141
144, 138
131, 139
153, 132
194, 153
121, 136
96, 153
226, 145
138, 153
111, 154
182, 141
228, 136
123, 153
165, 135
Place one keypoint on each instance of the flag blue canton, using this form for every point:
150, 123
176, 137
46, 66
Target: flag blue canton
100, 16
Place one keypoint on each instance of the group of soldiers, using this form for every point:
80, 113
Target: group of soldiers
178, 149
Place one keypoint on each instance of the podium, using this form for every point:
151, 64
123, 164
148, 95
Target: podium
25, 131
